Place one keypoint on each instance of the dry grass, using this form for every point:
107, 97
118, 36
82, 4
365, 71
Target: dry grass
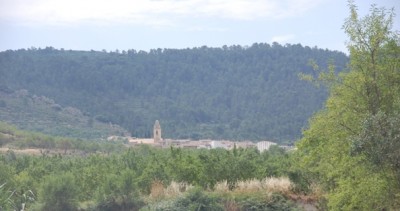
278, 185
157, 189
177, 188
158, 192
231, 205
221, 187
270, 184
316, 190
267, 186
253, 185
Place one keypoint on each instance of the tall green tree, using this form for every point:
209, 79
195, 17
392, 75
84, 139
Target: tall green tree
371, 86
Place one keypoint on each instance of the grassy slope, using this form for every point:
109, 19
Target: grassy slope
43, 115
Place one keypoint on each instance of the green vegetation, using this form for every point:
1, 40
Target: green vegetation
13, 138
137, 178
236, 93
110, 176
58, 192
352, 146
41, 114
348, 158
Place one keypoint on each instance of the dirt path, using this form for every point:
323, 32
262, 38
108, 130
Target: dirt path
29, 151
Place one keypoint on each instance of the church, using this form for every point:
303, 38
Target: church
157, 132
157, 139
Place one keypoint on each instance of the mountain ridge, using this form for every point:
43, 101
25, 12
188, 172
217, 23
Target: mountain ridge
237, 93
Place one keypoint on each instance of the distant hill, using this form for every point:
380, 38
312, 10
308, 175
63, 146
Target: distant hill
39, 113
234, 92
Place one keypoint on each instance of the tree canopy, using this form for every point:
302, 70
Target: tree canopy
352, 146
233, 92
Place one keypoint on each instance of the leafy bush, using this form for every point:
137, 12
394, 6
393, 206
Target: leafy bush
59, 192
119, 193
275, 202
195, 200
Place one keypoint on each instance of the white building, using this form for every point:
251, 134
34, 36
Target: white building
264, 145
221, 144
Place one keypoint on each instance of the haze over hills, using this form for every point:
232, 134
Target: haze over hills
234, 92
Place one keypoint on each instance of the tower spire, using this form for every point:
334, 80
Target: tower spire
157, 132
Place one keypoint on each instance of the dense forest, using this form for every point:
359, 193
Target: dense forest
235, 92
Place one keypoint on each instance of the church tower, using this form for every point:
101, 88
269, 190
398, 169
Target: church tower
157, 132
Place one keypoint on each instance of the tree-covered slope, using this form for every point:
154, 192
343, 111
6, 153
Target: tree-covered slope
39, 113
230, 92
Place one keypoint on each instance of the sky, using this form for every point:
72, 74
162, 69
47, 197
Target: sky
151, 24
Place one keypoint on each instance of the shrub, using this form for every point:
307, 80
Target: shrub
194, 200
119, 193
197, 200
58, 192
274, 202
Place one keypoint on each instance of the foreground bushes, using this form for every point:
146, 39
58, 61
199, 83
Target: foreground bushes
197, 199
59, 192
265, 194
124, 181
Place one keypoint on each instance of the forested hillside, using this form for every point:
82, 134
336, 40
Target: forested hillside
230, 92
41, 114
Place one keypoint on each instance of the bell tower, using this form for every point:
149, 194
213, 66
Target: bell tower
157, 132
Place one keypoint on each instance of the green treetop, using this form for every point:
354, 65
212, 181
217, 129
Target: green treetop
336, 148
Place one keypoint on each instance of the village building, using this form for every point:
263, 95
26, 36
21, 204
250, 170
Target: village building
245, 144
158, 141
155, 141
264, 145
222, 144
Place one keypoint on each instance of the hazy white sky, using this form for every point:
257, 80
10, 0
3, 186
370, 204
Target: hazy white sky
149, 24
